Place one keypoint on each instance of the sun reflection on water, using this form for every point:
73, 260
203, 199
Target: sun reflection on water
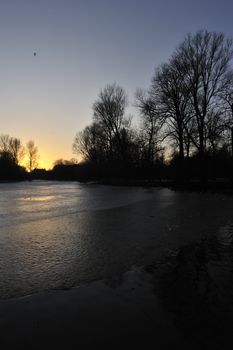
37, 198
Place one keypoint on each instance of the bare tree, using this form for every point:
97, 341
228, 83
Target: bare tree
215, 129
16, 149
205, 57
173, 94
151, 124
166, 107
33, 156
12, 147
226, 96
66, 162
4, 143
91, 143
109, 112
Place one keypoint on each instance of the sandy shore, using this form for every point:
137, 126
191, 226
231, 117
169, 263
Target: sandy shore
181, 301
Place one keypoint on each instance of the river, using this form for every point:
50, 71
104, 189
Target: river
62, 234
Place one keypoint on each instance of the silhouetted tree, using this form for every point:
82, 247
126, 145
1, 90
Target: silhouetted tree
32, 154
4, 143
226, 96
91, 144
215, 129
13, 147
189, 103
167, 105
9, 170
169, 85
109, 112
61, 161
16, 149
205, 59
151, 124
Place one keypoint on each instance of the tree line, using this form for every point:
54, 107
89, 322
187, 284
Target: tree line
185, 131
186, 128
13, 154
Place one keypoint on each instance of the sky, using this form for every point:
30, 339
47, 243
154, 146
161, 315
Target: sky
81, 46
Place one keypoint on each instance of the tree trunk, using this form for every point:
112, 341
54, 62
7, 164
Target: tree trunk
231, 167
181, 174
232, 142
202, 162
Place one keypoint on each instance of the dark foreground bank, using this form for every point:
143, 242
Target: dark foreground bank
184, 301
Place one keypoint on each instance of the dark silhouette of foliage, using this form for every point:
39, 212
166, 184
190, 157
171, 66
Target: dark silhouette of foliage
185, 132
32, 154
9, 170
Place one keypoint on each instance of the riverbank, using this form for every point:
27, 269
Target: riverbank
181, 301
212, 186
224, 186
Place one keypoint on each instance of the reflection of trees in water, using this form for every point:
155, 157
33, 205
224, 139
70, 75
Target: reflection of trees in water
196, 285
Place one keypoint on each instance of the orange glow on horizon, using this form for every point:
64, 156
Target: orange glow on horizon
43, 164
45, 161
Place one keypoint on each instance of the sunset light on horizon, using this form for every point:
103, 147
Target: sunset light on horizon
56, 56
116, 174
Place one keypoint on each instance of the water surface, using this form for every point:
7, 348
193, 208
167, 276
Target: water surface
57, 235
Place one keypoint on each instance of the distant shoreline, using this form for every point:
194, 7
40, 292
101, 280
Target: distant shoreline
218, 185
192, 186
